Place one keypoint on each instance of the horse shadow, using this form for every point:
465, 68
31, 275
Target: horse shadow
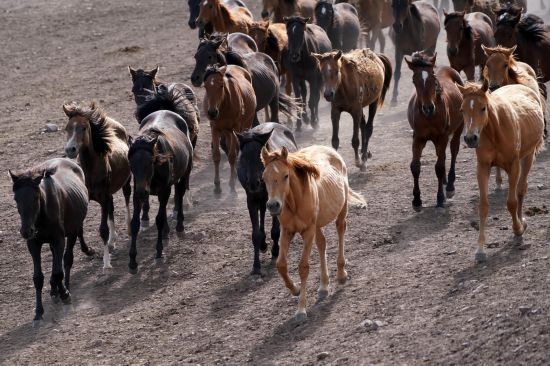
418, 226
285, 335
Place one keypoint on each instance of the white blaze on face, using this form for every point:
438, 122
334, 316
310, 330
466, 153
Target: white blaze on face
205, 2
328, 68
212, 82
323, 10
276, 169
424, 77
294, 29
471, 118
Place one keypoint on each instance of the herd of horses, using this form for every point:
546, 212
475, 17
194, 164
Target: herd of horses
271, 64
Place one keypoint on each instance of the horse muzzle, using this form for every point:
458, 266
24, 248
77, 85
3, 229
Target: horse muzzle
295, 57
213, 113
196, 80
254, 186
27, 232
192, 23
71, 151
329, 95
472, 140
493, 87
428, 110
199, 23
453, 51
274, 207
265, 15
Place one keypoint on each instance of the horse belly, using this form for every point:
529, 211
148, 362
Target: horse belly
332, 192
120, 168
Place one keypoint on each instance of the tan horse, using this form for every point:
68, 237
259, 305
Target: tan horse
223, 18
230, 105
278, 9
506, 128
307, 190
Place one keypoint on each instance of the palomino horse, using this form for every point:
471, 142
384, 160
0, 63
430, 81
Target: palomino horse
353, 81
194, 8
307, 190
52, 201
416, 27
506, 129
230, 104
224, 18
161, 156
466, 33
101, 144
278, 9
434, 115
304, 40
341, 23
250, 170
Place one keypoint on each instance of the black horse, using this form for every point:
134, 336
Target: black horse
341, 22
265, 75
160, 156
52, 201
303, 40
249, 172
194, 7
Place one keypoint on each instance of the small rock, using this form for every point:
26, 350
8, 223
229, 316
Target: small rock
495, 244
450, 252
368, 325
523, 310
379, 323
474, 224
97, 343
541, 186
321, 356
51, 127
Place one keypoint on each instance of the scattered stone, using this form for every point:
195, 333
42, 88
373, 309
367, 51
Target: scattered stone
379, 323
504, 228
532, 211
51, 127
97, 343
371, 325
523, 310
541, 186
495, 244
450, 252
323, 355
474, 224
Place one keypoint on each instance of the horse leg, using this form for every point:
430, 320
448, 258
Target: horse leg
216, 157
111, 224
68, 259
396, 75
303, 269
498, 178
417, 147
258, 236
83, 246
282, 262
145, 214
512, 201
179, 192
321, 242
382, 40
232, 158
274, 108
37, 277
355, 137
470, 72
104, 231
341, 225
303, 94
57, 247
335, 118
525, 164
314, 97
366, 133
455, 146
483, 172
127, 192
161, 219
132, 264
275, 235
440, 147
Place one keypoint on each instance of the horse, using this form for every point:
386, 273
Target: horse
161, 156
532, 38
416, 27
101, 145
230, 104
307, 190
52, 201
466, 33
262, 68
194, 8
434, 115
506, 129
223, 17
353, 81
488, 7
249, 172
303, 40
341, 22
278, 9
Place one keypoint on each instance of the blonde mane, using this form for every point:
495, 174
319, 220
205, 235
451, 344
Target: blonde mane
296, 161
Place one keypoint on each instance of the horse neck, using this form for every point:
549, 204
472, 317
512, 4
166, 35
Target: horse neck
492, 130
294, 194
92, 163
222, 21
49, 202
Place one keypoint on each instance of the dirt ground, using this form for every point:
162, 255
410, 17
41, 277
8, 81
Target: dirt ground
412, 274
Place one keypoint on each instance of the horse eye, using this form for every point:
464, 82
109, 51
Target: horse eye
286, 176
506, 65
210, 6
483, 109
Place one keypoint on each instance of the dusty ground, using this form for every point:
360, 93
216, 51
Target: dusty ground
414, 272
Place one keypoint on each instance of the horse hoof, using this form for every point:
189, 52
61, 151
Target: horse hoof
363, 168
55, 299
480, 257
255, 272
36, 323
342, 279
440, 210
300, 316
369, 155
217, 190
179, 228
393, 103
159, 260
450, 194
322, 294
145, 223
90, 252
111, 247
107, 268
67, 300
263, 247
417, 208
133, 270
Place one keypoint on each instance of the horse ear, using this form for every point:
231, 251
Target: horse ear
433, 59
264, 137
132, 72
67, 110
49, 172
154, 72
37, 180
445, 13
265, 155
485, 87
486, 50
307, 20
284, 153
338, 54
239, 137
461, 88
285, 19
461, 13
13, 176
512, 50
408, 60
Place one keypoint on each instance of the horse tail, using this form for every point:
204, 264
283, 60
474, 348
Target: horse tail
388, 71
356, 199
289, 106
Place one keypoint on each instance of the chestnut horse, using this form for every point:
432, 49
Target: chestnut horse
278, 9
434, 115
353, 81
194, 8
224, 18
230, 105
307, 190
506, 129
415, 27
101, 144
466, 33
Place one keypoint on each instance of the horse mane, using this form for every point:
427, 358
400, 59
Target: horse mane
235, 58
226, 12
472, 88
421, 59
103, 136
415, 12
211, 70
532, 27
298, 162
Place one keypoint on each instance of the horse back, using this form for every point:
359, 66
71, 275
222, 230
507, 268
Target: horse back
240, 105
241, 43
429, 20
317, 39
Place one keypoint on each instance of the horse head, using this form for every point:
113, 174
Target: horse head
329, 64
455, 26
259, 31
295, 29
324, 14
475, 111
214, 84
401, 11
249, 164
208, 53
208, 11
143, 83
498, 65
427, 86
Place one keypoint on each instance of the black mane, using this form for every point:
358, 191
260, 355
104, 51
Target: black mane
102, 133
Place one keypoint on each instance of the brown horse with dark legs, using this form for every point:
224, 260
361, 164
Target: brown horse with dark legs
278, 9
466, 33
415, 27
506, 129
101, 145
434, 115
224, 18
487, 7
353, 81
230, 104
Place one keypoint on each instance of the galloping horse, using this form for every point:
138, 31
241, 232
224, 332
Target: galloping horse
52, 201
341, 23
466, 33
224, 18
506, 129
416, 27
249, 171
434, 115
161, 156
194, 9
230, 104
278, 9
353, 81
307, 190
101, 144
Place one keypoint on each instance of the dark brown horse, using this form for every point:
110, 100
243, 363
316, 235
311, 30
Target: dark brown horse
415, 27
278, 9
341, 23
434, 115
488, 7
223, 17
101, 145
230, 104
52, 201
466, 33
